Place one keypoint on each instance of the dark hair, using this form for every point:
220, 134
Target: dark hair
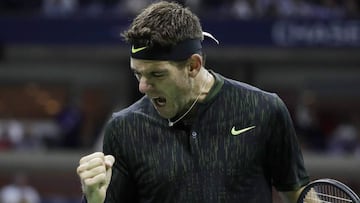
165, 24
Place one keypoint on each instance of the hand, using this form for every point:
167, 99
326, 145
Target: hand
94, 171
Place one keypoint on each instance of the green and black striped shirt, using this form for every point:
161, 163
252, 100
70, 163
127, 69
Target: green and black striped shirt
239, 144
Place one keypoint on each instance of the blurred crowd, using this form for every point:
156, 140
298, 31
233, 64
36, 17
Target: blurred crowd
317, 132
61, 132
239, 9
19, 190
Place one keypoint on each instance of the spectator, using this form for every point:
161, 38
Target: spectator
5, 143
295, 9
71, 120
132, 7
29, 140
345, 139
19, 191
307, 122
328, 9
244, 9
15, 132
59, 8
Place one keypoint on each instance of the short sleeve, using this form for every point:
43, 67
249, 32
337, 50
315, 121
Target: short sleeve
285, 160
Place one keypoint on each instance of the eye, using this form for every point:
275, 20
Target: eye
158, 74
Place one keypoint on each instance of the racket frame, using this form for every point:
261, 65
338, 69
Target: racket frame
332, 182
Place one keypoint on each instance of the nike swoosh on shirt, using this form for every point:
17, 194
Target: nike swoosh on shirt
135, 50
238, 132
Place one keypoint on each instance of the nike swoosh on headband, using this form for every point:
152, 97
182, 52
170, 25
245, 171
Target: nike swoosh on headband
135, 50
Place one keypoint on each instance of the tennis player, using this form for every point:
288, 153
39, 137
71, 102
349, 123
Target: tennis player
195, 136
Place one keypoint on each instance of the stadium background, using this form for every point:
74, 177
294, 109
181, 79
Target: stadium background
64, 69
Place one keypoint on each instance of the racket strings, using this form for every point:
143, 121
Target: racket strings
326, 194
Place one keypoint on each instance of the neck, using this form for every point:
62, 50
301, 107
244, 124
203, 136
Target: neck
206, 81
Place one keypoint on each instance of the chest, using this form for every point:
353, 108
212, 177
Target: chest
228, 148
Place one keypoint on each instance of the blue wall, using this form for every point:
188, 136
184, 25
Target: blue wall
105, 31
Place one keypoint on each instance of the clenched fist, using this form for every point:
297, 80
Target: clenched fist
94, 171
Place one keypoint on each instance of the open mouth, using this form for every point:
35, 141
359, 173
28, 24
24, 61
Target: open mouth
159, 101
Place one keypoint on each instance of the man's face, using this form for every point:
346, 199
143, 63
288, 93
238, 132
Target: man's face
168, 87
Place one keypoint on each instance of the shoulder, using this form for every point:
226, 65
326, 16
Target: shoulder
139, 106
247, 92
122, 124
140, 109
133, 117
126, 115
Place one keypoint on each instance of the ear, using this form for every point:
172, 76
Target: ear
195, 65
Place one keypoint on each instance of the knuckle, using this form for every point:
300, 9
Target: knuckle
89, 182
89, 157
102, 176
99, 170
96, 161
99, 154
79, 170
84, 175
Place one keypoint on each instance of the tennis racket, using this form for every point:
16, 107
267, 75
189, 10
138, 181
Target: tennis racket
327, 191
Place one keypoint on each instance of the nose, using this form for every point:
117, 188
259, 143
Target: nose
144, 85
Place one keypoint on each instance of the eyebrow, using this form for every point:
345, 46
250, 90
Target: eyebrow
151, 67
149, 71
